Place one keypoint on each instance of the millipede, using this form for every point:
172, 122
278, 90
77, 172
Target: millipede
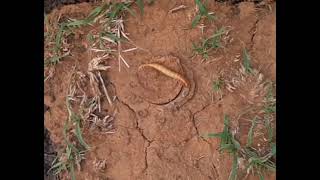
166, 72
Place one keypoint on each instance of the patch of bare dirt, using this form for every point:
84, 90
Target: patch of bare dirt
159, 122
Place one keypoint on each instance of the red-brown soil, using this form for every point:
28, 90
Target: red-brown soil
159, 122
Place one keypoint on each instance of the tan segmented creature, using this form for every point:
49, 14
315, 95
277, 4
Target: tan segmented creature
167, 72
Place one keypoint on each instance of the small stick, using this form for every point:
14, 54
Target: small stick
131, 49
124, 61
119, 49
105, 89
177, 8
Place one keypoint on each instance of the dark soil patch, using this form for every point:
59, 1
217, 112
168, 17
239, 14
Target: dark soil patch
49, 155
49, 5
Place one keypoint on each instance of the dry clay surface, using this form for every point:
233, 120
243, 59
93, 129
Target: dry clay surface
158, 121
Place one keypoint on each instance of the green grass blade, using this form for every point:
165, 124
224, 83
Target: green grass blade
90, 38
129, 10
273, 149
59, 169
55, 166
97, 11
214, 135
236, 144
77, 23
251, 132
234, 169
196, 21
202, 8
211, 17
218, 33
59, 35
117, 8
217, 85
113, 37
269, 129
140, 4
261, 177
79, 133
72, 174
246, 61
54, 60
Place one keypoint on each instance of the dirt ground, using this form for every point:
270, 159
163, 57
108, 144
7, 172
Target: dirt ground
159, 123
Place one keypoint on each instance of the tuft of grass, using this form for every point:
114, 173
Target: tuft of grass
90, 38
247, 61
203, 12
251, 132
73, 153
111, 11
234, 170
270, 106
228, 144
54, 60
119, 8
269, 109
75, 119
256, 163
259, 164
227, 141
69, 158
217, 85
213, 42
268, 125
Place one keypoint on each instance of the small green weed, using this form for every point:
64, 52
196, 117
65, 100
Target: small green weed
111, 11
228, 144
256, 163
269, 109
67, 160
203, 12
54, 60
213, 42
251, 132
270, 105
74, 153
247, 61
217, 85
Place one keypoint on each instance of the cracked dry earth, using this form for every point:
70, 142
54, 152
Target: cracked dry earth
158, 121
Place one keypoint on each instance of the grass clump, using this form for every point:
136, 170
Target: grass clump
208, 44
203, 13
228, 144
217, 85
259, 164
111, 12
74, 152
256, 163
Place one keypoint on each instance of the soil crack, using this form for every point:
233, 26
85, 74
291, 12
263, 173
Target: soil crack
254, 30
194, 123
146, 157
141, 133
136, 119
